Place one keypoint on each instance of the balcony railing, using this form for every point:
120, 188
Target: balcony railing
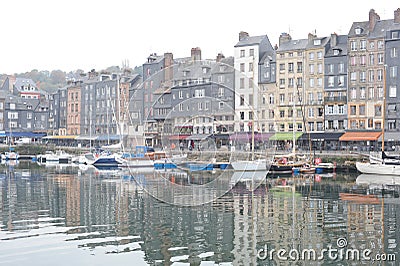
335, 99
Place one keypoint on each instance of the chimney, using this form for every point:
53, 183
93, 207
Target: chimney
168, 68
311, 37
333, 39
397, 16
373, 18
243, 35
196, 54
220, 56
284, 38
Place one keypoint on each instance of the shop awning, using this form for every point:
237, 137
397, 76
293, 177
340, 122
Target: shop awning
87, 138
61, 137
321, 136
24, 134
108, 137
178, 137
246, 136
360, 136
390, 136
198, 137
285, 136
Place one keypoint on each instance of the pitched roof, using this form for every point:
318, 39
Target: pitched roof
293, 45
251, 40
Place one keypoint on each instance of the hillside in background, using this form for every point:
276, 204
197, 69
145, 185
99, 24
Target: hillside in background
51, 80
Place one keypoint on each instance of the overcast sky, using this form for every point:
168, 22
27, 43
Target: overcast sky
84, 34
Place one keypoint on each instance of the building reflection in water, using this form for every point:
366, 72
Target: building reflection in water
109, 213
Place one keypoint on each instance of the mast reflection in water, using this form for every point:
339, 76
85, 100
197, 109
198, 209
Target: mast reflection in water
67, 215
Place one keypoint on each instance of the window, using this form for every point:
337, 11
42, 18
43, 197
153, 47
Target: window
393, 52
282, 113
310, 112
362, 109
251, 82
242, 54
393, 71
378, 110
241, 100
299, 82
380, 44
380, 74
250, 67
372, 45
311, 56
392, 108
251, 99
392, 91
181, 107
362, 93
331, 68
242, 115
319, 68
362, 76
363, 45
380, 92
371, 93
371, 77
336, 51
353, 110
282, 98
241, 67
330, 109
299, 67
371, 59
251, 52
380, 58
363, 60
353, 93
317, 42
341, 109
331, 81
282, 82
353, 76
341, 81
300, 53
199, 93
395, 34
281, 67
353, 61
221, 92
353, 46
341, 68
311, 67
271, 99
319, 54
290, 67
241, 83
319, 82
291, 82
392, 124
311, 83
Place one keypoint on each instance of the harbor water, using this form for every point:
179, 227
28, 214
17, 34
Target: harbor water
71, 215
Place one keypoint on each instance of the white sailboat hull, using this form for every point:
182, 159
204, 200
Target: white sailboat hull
379, 169
257, 165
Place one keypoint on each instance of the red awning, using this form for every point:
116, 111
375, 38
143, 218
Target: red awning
178, 137
360, 136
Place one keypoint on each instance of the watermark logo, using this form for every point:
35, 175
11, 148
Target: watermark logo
339, 253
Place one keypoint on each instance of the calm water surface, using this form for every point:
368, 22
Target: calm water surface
52, 215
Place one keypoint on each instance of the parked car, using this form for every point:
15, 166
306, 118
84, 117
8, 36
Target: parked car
23, 141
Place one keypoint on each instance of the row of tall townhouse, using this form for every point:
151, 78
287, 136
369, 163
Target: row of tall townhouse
322, 83
332, 83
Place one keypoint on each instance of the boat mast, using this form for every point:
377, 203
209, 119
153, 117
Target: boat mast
383, 109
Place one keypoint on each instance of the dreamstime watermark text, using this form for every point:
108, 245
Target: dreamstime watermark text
339, 253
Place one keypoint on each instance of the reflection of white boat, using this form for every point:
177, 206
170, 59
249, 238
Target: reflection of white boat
257, 176
255, 165
379, 169
367, 179
9, 155
57, 157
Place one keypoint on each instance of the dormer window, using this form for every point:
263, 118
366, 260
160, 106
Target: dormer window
336, 51
317, 42
358, 30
